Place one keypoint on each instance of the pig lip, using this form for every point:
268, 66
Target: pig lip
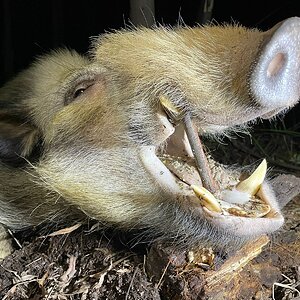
244, 226
181, 192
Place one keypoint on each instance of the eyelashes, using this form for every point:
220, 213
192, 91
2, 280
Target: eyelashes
79, 88
81, 85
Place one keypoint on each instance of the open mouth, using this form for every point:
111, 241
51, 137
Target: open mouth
241, 204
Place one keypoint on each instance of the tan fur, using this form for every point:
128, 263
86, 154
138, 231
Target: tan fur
182, 57
90, 146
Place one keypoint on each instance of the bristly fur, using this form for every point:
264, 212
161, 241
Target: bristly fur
91, 116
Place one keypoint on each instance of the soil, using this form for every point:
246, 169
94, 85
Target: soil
82, 263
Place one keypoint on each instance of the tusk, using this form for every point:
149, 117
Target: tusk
207, 199
168, 105
252, 184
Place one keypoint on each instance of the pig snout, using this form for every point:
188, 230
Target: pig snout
275, 81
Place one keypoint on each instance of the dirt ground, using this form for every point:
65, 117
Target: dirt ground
82, 263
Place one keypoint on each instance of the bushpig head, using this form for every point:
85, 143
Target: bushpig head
113, 135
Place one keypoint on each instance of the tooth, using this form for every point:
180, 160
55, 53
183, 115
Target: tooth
166, 103
207, 199
252, 184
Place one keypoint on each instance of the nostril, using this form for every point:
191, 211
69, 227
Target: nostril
275, 65
275, 79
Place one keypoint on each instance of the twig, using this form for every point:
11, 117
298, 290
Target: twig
13, 288
200, 158
286, 286
131, 282
98, 274
63, 231
162, 275
15, 239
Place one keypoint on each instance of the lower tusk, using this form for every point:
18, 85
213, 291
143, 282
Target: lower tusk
207, 199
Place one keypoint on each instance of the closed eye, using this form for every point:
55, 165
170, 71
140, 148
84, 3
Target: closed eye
81, 89
86, 85
78, 91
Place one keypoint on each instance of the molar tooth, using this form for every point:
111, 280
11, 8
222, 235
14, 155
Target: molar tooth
207, 199
252, 184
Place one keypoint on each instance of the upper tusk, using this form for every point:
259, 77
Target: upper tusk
168, 105
252, 184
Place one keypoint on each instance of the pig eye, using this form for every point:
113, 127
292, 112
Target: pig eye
81, 88
78, 92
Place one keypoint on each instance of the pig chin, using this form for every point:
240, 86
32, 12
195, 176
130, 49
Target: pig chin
230, 208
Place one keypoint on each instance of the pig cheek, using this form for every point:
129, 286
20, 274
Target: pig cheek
64, 125
107, 185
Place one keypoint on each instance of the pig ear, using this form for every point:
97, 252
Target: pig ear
19, 140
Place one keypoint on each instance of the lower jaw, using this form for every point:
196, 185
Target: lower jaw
183, 194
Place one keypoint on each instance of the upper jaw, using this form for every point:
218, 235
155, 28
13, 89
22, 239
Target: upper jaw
243, 209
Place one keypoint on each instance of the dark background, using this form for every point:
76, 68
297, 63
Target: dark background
31, 27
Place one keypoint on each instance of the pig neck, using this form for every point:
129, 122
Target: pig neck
26, 202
